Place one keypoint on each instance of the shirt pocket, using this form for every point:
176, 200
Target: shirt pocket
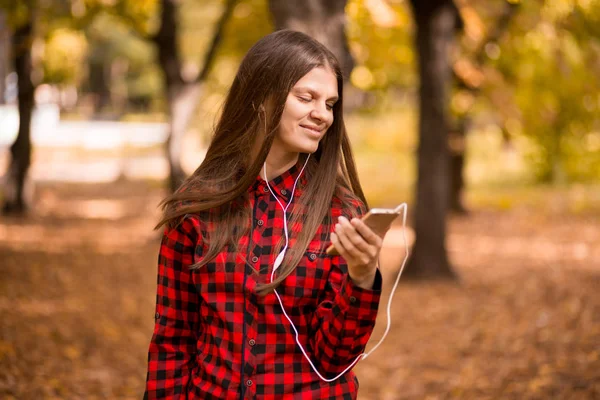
304, 287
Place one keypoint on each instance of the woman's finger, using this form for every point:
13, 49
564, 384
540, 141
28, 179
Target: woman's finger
369, 236
342, 235
335, 241
355, 238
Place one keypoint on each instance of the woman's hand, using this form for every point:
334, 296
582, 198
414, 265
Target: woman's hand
360, 247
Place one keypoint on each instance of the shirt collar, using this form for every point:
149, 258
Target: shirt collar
283, 184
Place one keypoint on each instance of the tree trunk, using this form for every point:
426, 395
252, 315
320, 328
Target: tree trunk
18, 193
168, 59
4, 35
324, 20
435, 22
99, 82
182, 96
456, 145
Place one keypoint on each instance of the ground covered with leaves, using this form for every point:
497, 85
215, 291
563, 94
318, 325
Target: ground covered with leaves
78, 283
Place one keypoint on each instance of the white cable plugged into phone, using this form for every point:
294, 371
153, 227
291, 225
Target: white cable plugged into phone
281, 255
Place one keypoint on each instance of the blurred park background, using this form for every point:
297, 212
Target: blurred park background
482, 115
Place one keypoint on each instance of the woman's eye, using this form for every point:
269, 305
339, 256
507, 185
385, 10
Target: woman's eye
304, 99
330, 107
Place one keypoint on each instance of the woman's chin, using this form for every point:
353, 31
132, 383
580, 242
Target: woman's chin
310, 149
311, 146
305, 148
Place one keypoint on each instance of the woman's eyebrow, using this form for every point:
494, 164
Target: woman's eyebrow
314, 93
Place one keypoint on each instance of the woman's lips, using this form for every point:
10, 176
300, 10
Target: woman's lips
313, 131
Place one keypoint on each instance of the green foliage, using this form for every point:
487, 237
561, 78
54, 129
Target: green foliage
539, 84
140, 15
120, 33
45, 13
16, 11
549, 65
381, 42
64, 54
80, 31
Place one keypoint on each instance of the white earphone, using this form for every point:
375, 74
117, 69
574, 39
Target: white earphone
281, 255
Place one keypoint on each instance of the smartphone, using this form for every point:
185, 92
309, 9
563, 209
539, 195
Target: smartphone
378, 219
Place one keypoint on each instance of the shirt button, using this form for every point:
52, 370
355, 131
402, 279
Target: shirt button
254, 259
248, 382
312, 256
157, 316
252, 342
260, 222
352, 299
283, 192
265, 189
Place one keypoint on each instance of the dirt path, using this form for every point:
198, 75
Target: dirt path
78, 283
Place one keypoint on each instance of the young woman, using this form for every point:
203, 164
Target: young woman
249, 305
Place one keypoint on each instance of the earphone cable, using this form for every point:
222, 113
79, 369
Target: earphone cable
281, 255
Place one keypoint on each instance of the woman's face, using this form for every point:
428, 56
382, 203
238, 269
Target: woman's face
308, 113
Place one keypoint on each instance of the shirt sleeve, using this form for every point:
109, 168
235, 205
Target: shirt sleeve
172, 350
345, 318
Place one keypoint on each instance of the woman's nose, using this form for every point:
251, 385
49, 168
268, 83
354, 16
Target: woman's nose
320, 112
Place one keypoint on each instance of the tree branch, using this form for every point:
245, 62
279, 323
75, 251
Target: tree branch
211, 52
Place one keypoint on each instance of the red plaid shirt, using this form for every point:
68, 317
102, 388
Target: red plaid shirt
215, 338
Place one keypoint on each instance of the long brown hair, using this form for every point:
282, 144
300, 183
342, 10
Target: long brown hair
242, 140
